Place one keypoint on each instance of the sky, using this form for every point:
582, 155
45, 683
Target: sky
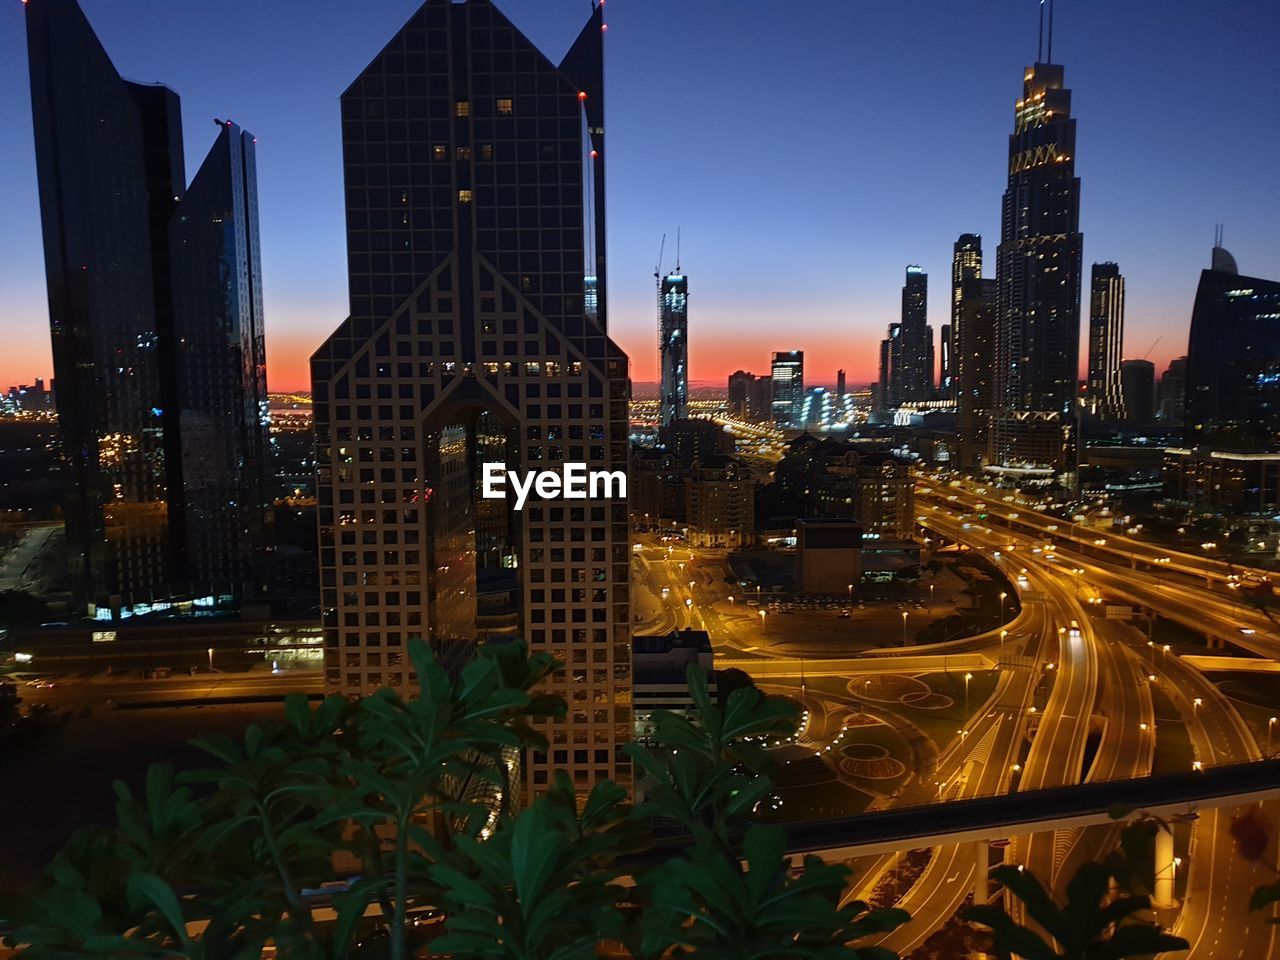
808, 150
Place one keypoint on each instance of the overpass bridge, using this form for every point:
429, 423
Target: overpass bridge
982, 820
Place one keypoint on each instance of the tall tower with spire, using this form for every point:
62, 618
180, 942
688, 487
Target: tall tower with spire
673, 343
1038, 276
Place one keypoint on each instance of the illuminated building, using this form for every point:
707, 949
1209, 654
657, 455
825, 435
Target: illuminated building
721, 503
661, 665
840, 386
788, 388
673, 340
946, 387
975, 348
1233, 361
472, 337
1038, 276
155, 306
911, 373
1106, 342
827, 479
966, 264
1138, 387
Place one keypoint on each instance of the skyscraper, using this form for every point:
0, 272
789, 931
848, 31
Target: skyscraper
974, 374
840, 385
673, 345
472, 338
1233, 361
788, 388
1106, 341
1171, 395
1038, 271
1138, 388
966, 264
913, 375
946, 388
155, 306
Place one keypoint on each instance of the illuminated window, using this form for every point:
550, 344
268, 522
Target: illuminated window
464, 196
504, 107
462, 108
486, 151
439, 152
463, 153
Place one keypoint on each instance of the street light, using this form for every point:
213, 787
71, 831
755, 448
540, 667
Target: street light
761, 621
904, 628
1270, 726
210, 659
967, 678
1196, 704
1002, 599
1003, 634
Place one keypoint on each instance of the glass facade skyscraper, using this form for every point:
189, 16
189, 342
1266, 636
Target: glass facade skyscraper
911, 377
788, 388
474, 172
141, 284
1106, 342
974, 373
966, 264
1233, 361
673, 346
1038, 276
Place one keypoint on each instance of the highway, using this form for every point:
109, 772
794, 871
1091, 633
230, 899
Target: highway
1207, 605
1114, 544
72, 693
1213, 917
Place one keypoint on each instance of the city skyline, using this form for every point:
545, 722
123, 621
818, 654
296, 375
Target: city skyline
838, 288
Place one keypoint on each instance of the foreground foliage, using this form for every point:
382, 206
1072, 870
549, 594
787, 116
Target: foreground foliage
1106, 916
416, 796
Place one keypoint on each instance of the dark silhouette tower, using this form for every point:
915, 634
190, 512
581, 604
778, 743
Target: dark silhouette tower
477, 332
155, 311
1233, 361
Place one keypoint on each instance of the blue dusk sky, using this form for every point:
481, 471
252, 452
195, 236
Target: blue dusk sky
808, 151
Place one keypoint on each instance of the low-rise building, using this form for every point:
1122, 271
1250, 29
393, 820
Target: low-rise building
721, 503
659, 676
1215, 481
828, 556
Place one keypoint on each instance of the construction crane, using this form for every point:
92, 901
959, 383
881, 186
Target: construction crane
1153, 346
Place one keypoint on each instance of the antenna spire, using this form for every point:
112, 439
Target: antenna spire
1049, 54
1040, 41
677, 249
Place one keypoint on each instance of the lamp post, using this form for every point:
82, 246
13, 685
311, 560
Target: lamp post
1271, 723
1003, 595
967, 678
904, 628
762, 613
210, 652
1003, 634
